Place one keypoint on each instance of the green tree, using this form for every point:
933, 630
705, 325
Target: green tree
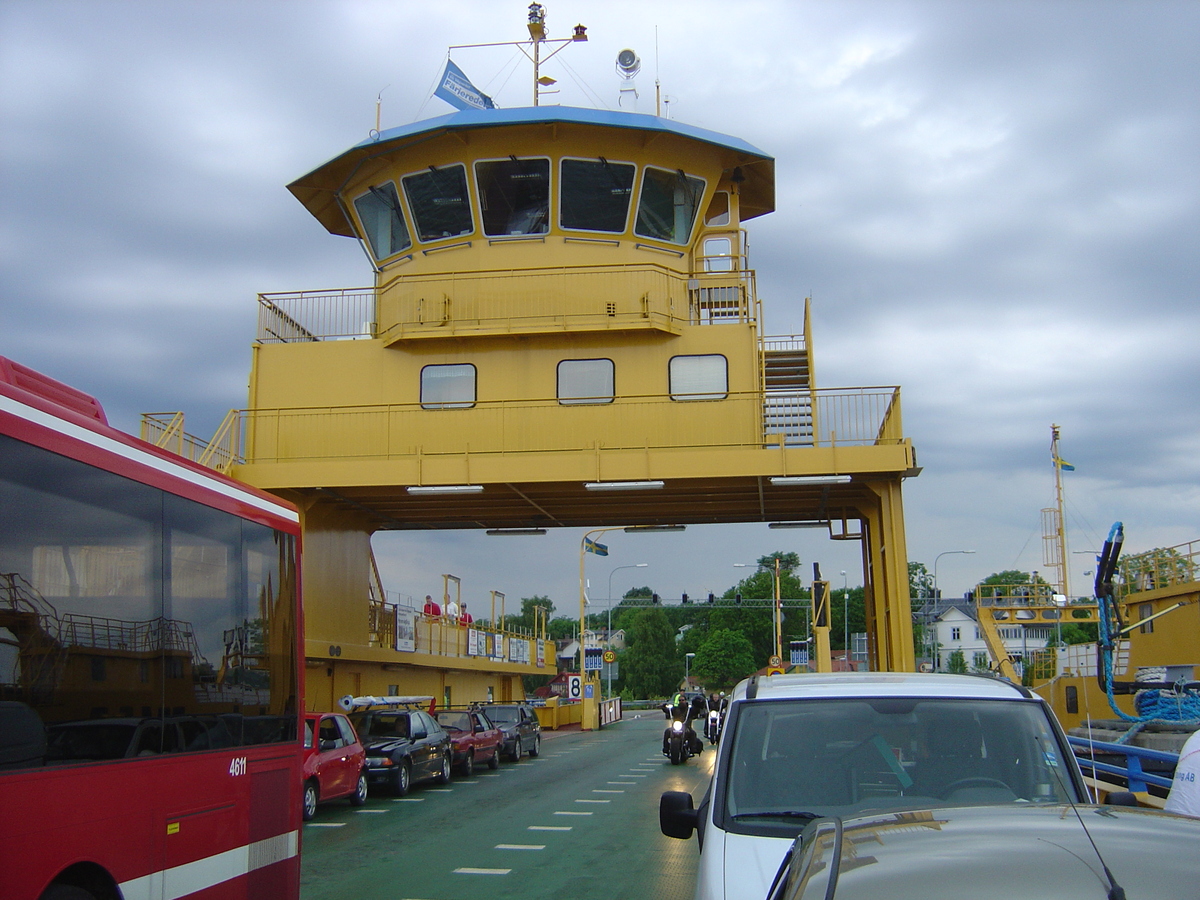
956, 663
725, 658
788, 562
650, 665
920, 581
526, 619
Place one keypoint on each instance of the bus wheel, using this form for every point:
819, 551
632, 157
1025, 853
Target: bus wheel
66, 892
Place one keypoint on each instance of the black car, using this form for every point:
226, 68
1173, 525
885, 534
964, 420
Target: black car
522, 731
404, 746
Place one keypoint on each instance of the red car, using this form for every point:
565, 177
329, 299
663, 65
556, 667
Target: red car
335, 763
474, 738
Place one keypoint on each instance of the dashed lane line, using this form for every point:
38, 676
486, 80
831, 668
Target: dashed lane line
324, 824
369, 812
472, 871
520, 846
563, 812
621, 782
408, 799
593, 801
603, 791
549, 827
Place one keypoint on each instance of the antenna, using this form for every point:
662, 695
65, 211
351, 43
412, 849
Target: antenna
378, 109
628, 65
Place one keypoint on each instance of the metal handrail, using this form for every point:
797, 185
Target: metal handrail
1135, 777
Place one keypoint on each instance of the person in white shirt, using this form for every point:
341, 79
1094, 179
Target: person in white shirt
451, 610
1184, 798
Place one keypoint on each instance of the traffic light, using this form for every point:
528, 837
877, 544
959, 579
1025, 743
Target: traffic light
737, 598
654, 598
685, 599
711, 597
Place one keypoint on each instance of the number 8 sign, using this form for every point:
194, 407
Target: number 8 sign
574, 687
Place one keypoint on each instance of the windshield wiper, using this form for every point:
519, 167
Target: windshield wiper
778, 814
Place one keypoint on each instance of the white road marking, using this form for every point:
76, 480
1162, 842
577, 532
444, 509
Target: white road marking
439, 790
549, 827
593, 801
562, 812
621, 782
602, 791
324, 824
368, 812
520, 846
408, 799
468, 871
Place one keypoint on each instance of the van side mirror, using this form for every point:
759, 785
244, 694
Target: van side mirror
419, 733
677, 817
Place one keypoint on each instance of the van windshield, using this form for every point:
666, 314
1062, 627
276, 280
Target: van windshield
796, 759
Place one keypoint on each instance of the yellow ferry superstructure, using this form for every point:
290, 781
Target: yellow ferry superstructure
563, 331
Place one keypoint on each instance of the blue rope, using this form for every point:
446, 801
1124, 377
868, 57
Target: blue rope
1181, 706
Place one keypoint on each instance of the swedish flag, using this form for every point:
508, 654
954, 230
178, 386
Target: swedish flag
596, 547
1063, 464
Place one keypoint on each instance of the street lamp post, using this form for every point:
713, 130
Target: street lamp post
610, 575
936, 597
777, 615
687, 659
846, 617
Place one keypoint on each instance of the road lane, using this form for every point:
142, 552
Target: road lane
580, 821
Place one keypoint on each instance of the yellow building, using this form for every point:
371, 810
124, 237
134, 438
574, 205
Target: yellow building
563, 331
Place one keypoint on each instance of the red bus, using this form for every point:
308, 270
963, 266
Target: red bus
150, 682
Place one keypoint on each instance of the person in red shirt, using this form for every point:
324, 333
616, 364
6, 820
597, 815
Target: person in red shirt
465, 618
431, 608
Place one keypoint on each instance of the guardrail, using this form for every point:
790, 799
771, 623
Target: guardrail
1164, 567
849, 417
1136, 778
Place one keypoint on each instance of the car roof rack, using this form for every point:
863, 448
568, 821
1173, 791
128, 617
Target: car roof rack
350, 703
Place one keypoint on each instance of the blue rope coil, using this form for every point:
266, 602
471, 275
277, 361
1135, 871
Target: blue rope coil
1182, 706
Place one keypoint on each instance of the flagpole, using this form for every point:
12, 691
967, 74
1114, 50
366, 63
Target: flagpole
1062, 527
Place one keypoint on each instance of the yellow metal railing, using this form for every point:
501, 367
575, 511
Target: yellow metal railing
166, 430
1164, 567
528, 300
850, 417
301, 316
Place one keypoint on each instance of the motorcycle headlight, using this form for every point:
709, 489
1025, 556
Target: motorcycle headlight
677, 726
712, 716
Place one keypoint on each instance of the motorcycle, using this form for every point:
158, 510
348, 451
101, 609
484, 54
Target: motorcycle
716, 716
679, 739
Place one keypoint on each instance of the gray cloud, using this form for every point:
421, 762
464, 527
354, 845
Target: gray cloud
995, 205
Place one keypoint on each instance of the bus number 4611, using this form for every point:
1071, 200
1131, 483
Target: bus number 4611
237, 766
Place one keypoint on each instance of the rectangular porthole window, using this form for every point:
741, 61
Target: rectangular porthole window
718, 254
514, 196
699, 377
448, 387
668, 205
585, 381
595, 194
382, 221
718, 210
439, 202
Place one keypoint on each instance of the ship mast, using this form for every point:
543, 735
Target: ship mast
1054, 532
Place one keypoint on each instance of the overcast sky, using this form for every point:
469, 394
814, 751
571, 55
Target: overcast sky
994, 205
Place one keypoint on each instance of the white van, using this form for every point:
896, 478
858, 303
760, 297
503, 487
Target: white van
800, 747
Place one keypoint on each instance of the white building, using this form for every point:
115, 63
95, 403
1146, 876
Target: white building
957, 628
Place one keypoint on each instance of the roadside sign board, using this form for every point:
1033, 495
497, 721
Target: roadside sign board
610, 656
574, 687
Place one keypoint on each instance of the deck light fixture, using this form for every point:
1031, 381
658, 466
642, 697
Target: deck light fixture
623, 485
445, 488
815, 523
795, 480
638, 529
515, 531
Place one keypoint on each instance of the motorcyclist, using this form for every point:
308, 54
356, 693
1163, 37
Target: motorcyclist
681, 709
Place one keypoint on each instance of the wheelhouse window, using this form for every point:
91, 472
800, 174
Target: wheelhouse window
585, 381
382, 221
595, 194
668, 205
439, 202
717, 213
448, 387
514, 195
699, 377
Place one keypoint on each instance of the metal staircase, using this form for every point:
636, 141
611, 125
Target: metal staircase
787, 392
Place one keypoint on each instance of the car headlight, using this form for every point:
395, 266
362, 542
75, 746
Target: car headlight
677, 725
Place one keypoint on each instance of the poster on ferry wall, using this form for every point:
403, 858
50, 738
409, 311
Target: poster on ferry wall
406, 629
541, 654
472, 642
